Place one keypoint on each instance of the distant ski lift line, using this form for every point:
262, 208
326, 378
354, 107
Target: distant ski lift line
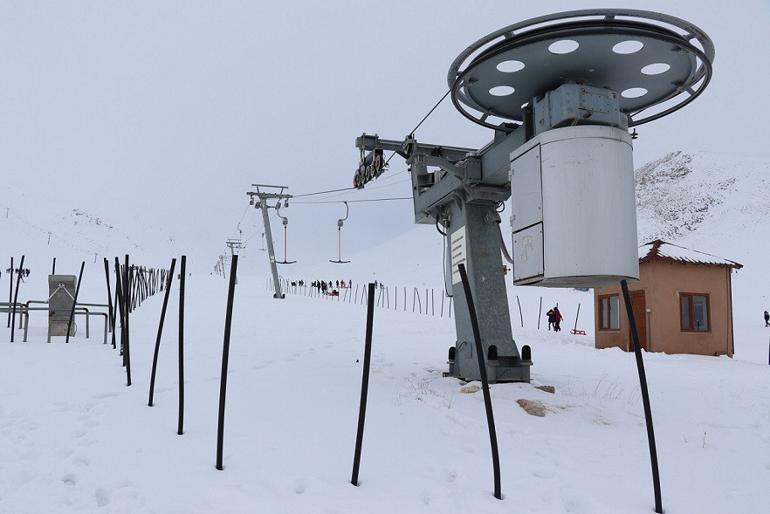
356, 201
315, 193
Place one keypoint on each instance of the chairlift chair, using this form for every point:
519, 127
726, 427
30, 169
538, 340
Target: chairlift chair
340, 223
285, 222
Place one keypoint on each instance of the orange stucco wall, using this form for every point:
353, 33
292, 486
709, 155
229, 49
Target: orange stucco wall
662, 282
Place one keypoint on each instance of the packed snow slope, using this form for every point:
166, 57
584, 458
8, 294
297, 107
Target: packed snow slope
75, 439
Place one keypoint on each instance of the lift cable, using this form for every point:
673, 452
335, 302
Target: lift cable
343, 190
355, 201
435, 106
323, 192
416, 127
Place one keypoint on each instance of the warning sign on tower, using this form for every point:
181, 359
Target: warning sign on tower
457, 252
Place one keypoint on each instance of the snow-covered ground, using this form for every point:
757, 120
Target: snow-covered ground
76, 439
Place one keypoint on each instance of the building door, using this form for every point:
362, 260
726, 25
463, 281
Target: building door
639, 307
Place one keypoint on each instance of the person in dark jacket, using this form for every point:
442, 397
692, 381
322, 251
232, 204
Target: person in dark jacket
551, 318
767, 319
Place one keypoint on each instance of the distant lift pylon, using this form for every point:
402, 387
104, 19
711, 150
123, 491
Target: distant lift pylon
340, 223
259, 199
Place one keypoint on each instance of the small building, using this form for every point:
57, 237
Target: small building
682, 303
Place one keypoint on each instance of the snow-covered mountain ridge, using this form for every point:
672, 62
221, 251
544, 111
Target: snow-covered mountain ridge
682, 193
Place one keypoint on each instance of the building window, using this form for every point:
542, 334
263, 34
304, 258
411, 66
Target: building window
609, 312
694, 309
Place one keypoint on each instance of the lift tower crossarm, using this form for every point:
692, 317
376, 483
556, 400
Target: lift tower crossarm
409, 146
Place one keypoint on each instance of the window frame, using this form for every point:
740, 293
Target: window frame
691, 306
608, 297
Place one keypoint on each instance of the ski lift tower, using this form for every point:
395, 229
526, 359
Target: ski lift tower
259, 199
560, 93
233, 245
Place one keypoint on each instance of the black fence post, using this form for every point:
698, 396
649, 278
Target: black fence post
16, 296
364, 384
160, 332
484, 380
225, 361
118, 301
539, 312
577, 316
645, 397
10, 294
182, 273
119, 304
75, 302
110, 307
127, 315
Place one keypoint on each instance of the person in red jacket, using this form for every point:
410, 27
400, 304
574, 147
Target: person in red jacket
557, 317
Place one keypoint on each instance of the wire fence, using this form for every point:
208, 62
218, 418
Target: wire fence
425, 301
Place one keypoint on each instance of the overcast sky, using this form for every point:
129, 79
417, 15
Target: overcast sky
168, 111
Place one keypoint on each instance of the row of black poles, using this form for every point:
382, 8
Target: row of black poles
484, 382
127, 297
164, 279
485, 389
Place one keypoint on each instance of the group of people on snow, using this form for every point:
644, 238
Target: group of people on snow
331, 288
21, 273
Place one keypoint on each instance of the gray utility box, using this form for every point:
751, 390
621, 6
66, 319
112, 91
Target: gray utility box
61, 296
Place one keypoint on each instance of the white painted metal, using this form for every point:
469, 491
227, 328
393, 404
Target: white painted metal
528, 254
588, 206
457, 253
526, 190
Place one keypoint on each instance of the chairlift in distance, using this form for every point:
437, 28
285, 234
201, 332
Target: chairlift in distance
340, 223
285, 222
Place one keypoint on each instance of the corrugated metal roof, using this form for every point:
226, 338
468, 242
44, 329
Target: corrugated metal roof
661, 250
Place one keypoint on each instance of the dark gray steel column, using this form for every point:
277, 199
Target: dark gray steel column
487, 281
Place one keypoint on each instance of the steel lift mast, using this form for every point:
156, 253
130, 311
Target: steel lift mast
233, 245
259, 199
560, 93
